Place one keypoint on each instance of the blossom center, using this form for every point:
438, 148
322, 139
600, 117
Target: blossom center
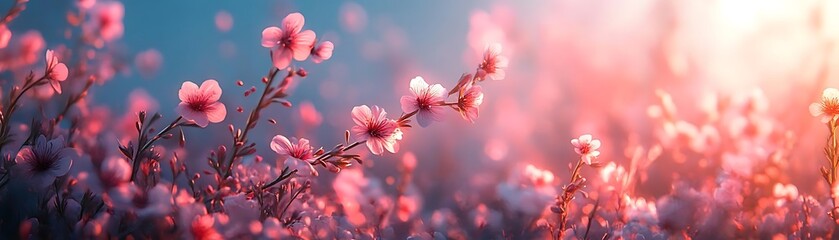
199, 103
43, 161
830, 106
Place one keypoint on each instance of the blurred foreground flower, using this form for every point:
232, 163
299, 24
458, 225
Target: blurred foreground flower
45, 160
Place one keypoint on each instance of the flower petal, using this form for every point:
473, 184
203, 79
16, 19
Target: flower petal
211, 89
280, 145
281, 58
188, 89
198, 117
361, 115
408, 103
375, 145
302, 44
271, 36
293, 23
216, 112
816, 109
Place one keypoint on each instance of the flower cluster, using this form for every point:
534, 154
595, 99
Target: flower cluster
659, 159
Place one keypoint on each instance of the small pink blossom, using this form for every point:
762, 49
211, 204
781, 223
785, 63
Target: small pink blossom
56, 71
106, 21
493, 63
45, 160
426, 100
322, 52
296, 156
288, 42
827, 108
85, 4
31, 44
201, 105
148, 62
224, 21
5, 36
202, 228
469, 102
376, 129
586, 147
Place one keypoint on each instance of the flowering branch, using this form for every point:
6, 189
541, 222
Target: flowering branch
587, 148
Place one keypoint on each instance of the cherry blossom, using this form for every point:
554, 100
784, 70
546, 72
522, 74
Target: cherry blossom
827, 108
45, 160
425, 100
469, 102
296, 154
289, 41
56, 71
373, 126
586, 147
200, 104
493, 63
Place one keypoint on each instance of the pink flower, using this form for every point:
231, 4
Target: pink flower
493, 64
586, 147
31, 43
296, 156
115, 172
469, 102
106, 21
201, 105
202, 228
148, 62
374, 127
322, 52
828, 108
85, 4
56, 71
288, 42
425, 100
45, 160
5, 36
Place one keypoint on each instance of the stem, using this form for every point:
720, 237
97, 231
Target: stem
6, 116
148, 144
566, 198
250, 121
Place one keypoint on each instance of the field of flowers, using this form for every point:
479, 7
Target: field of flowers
564, 119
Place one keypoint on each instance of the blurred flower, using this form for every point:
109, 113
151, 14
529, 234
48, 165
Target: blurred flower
374, 127
322, 52
288, 42
45, 160
425, 100
31, 43
493, 63
5, 36
586, 147
469, 102
56, 71
115, 172
201, 105
105, 21
828, 108
85, 4
148, 62
202, 228
224, 21
297, 156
